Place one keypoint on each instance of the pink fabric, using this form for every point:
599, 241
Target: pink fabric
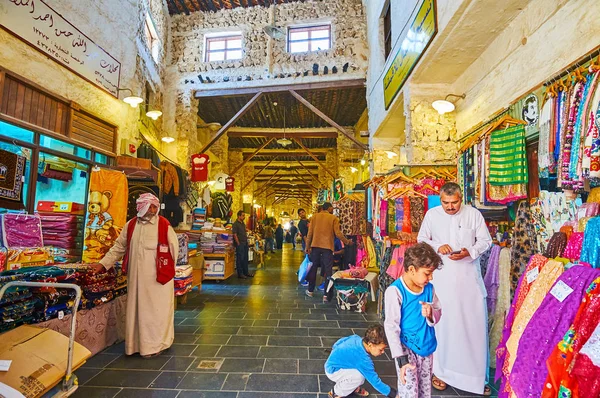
573, 249
396, 267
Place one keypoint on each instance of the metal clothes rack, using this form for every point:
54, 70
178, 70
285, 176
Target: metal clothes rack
69, 384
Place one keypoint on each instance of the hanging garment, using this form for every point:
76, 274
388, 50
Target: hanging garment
384, 215
107, 213
417, 212
396, 267
507, 157
492, 278
544, 140
391, 216
556, 246
12, 167
560, 381
574, 245
502, 304
591, 242
549, 325
523, 241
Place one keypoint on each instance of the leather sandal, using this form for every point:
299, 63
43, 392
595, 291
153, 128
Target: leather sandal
361, 392
438, 384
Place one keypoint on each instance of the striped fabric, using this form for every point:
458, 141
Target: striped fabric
508, 158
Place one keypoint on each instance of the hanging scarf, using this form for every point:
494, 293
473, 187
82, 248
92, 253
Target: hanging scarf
557, 245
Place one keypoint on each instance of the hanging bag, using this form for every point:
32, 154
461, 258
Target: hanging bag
305, 267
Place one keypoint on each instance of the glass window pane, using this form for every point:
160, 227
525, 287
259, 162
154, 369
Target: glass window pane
216, 56
320, 45
15, 133
61, 180
320, 34
298, 35
299, 47
217, 45
236, 54
11, 171
61, 146
100, 158
234, 43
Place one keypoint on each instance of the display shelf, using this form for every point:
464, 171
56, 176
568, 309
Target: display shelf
228, 265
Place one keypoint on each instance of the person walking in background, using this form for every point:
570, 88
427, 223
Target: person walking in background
459, 234
240, 240
279, 236
411, 311
269, 235
303, 227
146, 241
293, 232
320, 245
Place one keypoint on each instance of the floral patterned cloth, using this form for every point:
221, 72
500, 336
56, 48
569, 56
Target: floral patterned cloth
523, 244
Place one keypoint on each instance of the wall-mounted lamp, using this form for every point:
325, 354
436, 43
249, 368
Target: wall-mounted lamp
445, 106
168, 139
154, 114
391, 154
132, 99
353, 169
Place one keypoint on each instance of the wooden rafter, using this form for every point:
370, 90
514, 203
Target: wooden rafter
185, 8
327, 119
315, 158
306, 182
260, 189
316, 179
232, 121
251, 156
334, 85
256, 175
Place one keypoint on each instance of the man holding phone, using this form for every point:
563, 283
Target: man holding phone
459, 234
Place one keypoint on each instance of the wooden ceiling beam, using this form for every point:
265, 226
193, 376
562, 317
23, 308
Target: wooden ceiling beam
315, 158
259, 190
303, 179
174, 5
256, 174
315, 178
252, 155
282, 152
232, 121
325, 85
185, 8
287, 134
328, 119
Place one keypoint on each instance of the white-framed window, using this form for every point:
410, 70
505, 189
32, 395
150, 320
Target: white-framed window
309, 38
151, 37
223, 47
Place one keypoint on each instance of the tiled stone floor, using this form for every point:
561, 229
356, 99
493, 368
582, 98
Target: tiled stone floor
267, 338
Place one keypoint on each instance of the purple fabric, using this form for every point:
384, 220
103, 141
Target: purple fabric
399, 214
492, 278
22, 230
547, 327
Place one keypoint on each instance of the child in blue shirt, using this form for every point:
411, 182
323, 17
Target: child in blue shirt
411, 311
349, 364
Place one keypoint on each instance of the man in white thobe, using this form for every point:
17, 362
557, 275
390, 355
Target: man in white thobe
460, 235
150, 314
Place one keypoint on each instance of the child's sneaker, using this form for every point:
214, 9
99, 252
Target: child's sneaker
322, 286
309, 294
304, 283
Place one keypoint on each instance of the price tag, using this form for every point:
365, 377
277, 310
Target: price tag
22, 178
162, 206
103, 299
5, 365
561, 291
533, 274
61, 314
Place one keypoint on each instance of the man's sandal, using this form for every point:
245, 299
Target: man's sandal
438, 384
361, 392
332, 395
487, 391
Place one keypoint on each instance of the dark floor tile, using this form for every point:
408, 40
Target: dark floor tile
242, 365
314, 317
294, 341
266, 322
233, 322
282, 383
129, 378
244, 394
326, 385
100, 360
273, 365
229, 351
329, 341
189, 329
115, 349
357, 324
146, 393
283, 352
86, 374
385, 368
195, 366
284, 316
185, 338
218, 330
196, 322
248, 340
178, 363
352, 316
311, 366
206, 350
207, 394
179, 350
137, 362
202, 381
186, 313
325, 311
289, 323
359, 332
235, 382
213, 339
329, 332
95, 392
256, 331
318, 324
291, 332
318, 353
232, 315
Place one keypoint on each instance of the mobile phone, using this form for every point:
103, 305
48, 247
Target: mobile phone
455, 252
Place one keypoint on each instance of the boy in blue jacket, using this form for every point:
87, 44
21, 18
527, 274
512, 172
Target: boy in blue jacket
349, 364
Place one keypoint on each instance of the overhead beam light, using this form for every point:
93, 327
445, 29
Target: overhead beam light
154, 115
168, 139
445, 106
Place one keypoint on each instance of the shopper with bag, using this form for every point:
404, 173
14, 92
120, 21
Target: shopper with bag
149, 246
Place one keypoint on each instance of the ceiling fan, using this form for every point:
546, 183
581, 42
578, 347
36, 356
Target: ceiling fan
272, 30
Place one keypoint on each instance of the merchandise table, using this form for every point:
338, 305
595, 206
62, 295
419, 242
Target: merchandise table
371, 277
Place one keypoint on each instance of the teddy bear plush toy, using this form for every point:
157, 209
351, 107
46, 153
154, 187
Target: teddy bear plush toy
99, 221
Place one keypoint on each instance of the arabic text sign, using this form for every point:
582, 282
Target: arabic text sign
39, 25
416, 39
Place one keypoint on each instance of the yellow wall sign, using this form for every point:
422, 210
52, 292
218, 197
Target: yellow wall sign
416, 40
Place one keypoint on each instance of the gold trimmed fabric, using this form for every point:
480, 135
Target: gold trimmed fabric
508, 157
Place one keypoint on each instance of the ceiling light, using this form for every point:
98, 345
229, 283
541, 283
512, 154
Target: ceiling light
133, 100
168, 139
284, 141
353, 169
363, 162
391, 154
445, 106
154, 114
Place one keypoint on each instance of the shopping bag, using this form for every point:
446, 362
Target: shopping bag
304, 268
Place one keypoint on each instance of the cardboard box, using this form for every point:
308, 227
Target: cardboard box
39, 359
20, 257
50, 206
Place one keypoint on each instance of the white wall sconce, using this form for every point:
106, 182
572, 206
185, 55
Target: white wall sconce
445, 106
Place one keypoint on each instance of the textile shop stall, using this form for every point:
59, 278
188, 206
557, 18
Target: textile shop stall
541, 175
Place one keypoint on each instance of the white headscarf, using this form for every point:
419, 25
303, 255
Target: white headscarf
143, 203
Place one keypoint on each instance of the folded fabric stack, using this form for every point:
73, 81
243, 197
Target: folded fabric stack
207, 242
183, 240
16, 306
21, 230
198, 218
183, 279
63, 234
97, 288
192, 249
121, 283
224, 242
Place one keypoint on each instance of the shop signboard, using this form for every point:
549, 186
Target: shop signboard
414, 41
36, 23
